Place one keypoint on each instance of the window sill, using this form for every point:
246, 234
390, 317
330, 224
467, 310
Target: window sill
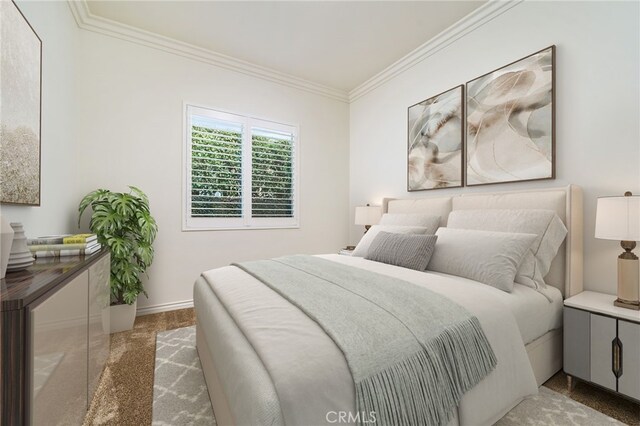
240, 228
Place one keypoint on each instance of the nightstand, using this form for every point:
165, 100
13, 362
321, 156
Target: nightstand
602, 343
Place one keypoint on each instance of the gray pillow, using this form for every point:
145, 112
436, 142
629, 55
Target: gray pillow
411, 251
363, 246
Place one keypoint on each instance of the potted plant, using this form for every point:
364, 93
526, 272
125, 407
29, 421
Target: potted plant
123, 223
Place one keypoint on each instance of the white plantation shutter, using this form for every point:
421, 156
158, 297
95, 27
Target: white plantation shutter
216, 168
272, 155
240, 172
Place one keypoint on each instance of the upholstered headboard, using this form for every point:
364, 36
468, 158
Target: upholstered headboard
566, 269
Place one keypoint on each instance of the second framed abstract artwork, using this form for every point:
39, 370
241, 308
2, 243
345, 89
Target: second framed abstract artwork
435, 146
510, 122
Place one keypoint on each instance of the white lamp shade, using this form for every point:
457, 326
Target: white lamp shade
618, 218
368, 215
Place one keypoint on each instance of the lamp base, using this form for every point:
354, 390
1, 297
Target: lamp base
621, 303
628, 278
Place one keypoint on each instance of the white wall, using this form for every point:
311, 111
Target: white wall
112, 116
598, 105
59, 198
130, 132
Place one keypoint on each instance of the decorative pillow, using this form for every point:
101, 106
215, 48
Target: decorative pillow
362, 248
488, 257
545, 224
411, 251
411, 219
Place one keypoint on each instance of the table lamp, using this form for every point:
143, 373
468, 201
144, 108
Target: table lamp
367, 216
618, 218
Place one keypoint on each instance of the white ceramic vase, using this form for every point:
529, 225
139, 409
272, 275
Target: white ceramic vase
20, 257
122, 317
6, 239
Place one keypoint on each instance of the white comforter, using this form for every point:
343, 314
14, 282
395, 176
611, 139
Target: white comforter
310, 374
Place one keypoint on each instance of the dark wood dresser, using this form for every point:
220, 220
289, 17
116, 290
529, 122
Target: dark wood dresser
54, 339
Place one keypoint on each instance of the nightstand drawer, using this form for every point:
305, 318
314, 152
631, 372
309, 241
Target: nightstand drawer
576, 337
629, 381
603, 333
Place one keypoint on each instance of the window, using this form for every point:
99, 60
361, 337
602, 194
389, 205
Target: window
240, 172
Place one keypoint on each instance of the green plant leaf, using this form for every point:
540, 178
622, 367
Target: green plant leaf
140, 195
148, 227
120, 247
125, 205
145, 253
89, 199
104, 219
130, 297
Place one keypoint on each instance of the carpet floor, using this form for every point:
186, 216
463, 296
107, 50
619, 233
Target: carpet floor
125, 393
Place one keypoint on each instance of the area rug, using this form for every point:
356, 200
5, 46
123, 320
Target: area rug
551, 408
180, 394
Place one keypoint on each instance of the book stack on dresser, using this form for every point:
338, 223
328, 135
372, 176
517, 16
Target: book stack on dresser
64, 245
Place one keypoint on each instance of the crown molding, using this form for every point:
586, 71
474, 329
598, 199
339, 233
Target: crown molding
90, 22
469, 23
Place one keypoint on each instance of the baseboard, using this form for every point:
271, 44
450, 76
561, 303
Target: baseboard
164, 307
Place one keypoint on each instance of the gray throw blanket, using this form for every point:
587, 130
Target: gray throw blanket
412, 352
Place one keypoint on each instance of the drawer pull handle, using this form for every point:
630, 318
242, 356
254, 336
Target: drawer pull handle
616, 357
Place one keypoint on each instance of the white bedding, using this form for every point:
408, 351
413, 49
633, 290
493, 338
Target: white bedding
309, 373
534, 312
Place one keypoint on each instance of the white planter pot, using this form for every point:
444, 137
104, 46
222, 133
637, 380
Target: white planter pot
6, 239
122, 317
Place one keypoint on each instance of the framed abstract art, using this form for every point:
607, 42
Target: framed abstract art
511, 122
20, 108
435, 146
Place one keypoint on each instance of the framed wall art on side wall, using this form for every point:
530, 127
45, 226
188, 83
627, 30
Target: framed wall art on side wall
20, 108
435, 146
511, 122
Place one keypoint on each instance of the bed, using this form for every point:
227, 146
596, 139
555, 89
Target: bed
266, 362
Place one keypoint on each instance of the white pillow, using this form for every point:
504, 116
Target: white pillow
545, 224
362, 248
412, 219
488, 257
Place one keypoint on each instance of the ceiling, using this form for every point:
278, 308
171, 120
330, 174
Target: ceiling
339, 44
